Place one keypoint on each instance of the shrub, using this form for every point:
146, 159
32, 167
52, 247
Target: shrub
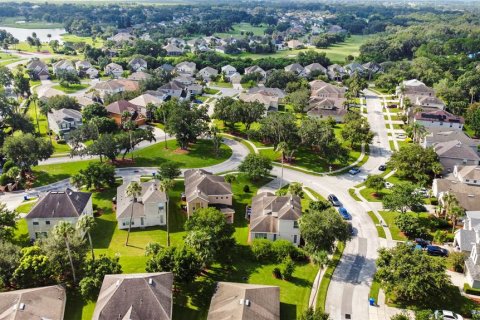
287, 268
299, 255
440, 236
89, 287
282, 249
152, 248
470, 290
410, 225
457, 261
4, 180
423, 315
436, 223
434, 201
7, 165
262, 249
400, 316
277, 273
320, 205
281, 192
246, 188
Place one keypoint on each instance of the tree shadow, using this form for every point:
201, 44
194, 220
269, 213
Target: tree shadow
288, 311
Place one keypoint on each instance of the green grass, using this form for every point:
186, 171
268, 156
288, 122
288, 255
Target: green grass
316, 194
374, 289
47, 174
389, 218
222, 84
352, 194
327, 277
7, 62
37, 24
98, 43
210, 91
72, 88
380, 230
8, 56
23, 46
245, 27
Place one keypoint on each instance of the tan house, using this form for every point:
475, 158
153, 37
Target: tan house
326, 100
203, 189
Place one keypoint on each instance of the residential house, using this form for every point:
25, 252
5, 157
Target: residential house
139, 76
335, 29
275, 217
439, 118
279, 93
207, 73
185, 79
39, 303
83, 65
129, 85
37, 69
372, 68
465, 239
44, 93
122, 37
92, 73
117, 108
173, 50
114, 70
186, 68
454, 153
243, 301
315, 67
109, 87
256, 69
64, 66
353, 68
135, 296
467, 174
63, 121
145, 99
57, 206
175, 89
137, 64
336, 72
148, 210
166, 67
269, 97
326, 100
418, 94
203, 189
472, 267
294, 44
236, 78
228, 71
296, 68
435, 135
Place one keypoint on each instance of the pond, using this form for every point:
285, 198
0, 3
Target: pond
22, 34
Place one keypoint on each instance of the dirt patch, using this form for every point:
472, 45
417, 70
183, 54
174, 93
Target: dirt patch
181, 151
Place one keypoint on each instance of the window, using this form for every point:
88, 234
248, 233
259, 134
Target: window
47, 222
295, 224
274, 237
294, 238
35, 223
260, 236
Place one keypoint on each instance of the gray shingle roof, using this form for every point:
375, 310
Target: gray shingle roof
150, 193
60, 205
201, 183
268, 208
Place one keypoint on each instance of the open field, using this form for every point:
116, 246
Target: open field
12, 23
242, 27
98, 42
72, 88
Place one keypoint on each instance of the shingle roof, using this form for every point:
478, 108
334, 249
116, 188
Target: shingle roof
150, 193
268, 208
109, 85
201, 183
468, 196
135, 297
38, 304
465, 239
241, 301
439, 116
470, 172
145, 99
438, 135
62, 114
58, 204
454, 149
118, 107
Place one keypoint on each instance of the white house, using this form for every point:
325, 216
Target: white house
207, 73
148, 210
439, 118
472, 267
137, 64
186, 68
255, 69
296, 68
229, 70
63, 121
57, 206
275, 217
467, 174
315, 67
92, 73
113, 69
64, 66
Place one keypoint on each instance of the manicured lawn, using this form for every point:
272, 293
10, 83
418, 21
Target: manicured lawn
37, 24
210, 91
51, 173
316, 194
200, 154
374, 290
23, 46
327, 277
352, 194
9, 61
222, 84
98, 42
389, 218
8, 56
71, 89
238, 28
380, 231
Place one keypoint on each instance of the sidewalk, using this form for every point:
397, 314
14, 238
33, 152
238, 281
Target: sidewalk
383, 312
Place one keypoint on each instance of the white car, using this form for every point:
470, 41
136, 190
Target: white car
388, 185
447, 315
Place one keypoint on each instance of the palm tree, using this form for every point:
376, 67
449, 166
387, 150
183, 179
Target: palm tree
63, 230
456, 212
437, 168
34, 99
449, 202
164, 186
85, 224
133, 190
282, 147
472, 92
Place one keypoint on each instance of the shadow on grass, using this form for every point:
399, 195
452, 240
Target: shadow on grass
288, 311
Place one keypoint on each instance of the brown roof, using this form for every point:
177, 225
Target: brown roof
241, 301
138, 296
470, 172
129, 85
267, 208
33, 304
438, 116
59, 204
118, 107
201, 183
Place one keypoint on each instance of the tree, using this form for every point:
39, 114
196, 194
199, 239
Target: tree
280, 79
311, 314
133, 190
67, 78
34, 269
411, 275
416, 131
296, 189
287, 268
249, 112
97, 175
210, 235
168, 170
94, 110
226, 110
63, 230
321, 229
356, 84
21, 85
410, 225
59, 102
6, 76
473, 119
357, 131
299, 100
26, 150
187, 124
8, 223
167, 184
319, 136
95, 271
414, 162
402, 198
85, 224
105, 146
375, 182
277, 127
256, 166
10, 256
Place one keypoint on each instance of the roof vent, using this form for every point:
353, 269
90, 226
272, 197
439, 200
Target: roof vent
247, 303
150, 281
21, 306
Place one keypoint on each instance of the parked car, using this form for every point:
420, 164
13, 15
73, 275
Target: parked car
388, 185
422, 242
344, 213
354, 171
382, 167
437, 251
391, 106
334, 200
447, 315
401, 135
422, 191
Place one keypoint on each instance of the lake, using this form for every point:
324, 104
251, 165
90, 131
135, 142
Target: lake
22, 34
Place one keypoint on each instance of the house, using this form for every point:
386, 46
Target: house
372, 68
467, 174
418, 94
296, 68
129, 85
57, 206
166, 67
275, 217
92, 73
175, 89
336, 72
173, 50
137, 64
236, 78
243, 301
326, 100
117, 108
315, 67
63, 121
465, 238
454, 153
203, 189
185, 79
33, 304
472, 267
44, 93
188, 68
294, 44
139, 76
270, 102
109, 87
255, 69
83, 65
324, 89
468, 195
439, 118
135, 296
353, 68
435, 135
207, 73
148, 210
333, 29
37, 69
122, 37
114, 70
279, 93
228, 71
221, 49
145, 99
64, 66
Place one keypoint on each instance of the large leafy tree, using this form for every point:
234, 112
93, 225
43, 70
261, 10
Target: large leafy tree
95, 271
227, 111
411, 275
97, 175
34, 269
26, 150
105, 146
280, 79
250, 112
7, 223
311, 314
321, 229
402, 198
6, 76
256, 166
10, 256
187, 123
414, 162
94, 110
375, 181
21, 85
168, 170
357, 130
299, 99
279, 127
320, 137
210, 235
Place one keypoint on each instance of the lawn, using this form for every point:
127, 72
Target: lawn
221, 84
50, 173
380, 230
238, 28
7, 62
71, 88
98, 42
36, 24
23, 46
210, 91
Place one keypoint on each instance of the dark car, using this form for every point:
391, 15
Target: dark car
344, 213
422, 242
334, 200
382, 167
437, 251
